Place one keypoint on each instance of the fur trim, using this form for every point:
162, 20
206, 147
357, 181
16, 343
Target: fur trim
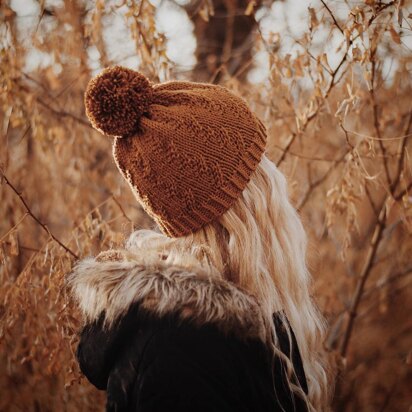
114, 280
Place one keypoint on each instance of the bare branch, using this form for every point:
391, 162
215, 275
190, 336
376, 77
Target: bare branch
30, 249
58, 113
302, 129
366, 271
34, 217
401, 194
332, 15
401, 160
377, 127
391, 279
319, 181
121, 209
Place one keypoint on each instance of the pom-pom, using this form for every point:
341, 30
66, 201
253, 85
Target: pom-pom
116, 99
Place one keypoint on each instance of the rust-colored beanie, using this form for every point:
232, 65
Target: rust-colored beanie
187, 149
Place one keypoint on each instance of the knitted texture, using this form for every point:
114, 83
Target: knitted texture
187, 149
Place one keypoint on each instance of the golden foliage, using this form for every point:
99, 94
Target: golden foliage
339, 127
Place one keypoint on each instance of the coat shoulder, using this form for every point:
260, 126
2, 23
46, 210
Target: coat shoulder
114, 281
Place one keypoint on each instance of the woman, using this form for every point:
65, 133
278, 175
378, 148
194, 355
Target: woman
213, 314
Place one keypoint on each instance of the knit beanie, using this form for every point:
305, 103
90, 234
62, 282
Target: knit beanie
187, 149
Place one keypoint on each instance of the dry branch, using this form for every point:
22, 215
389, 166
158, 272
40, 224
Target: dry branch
333, 16
56, 112
363, 277
34, 217
313, 115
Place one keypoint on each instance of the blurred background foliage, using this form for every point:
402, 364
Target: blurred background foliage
332, 82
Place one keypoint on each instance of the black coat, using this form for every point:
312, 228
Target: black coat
165, 339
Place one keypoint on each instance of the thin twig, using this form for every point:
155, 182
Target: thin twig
401, 160
58, 113
332, 15
405, 191
346, 135
63, 113
369, 196
294, 135
381, 7
305, 157
34, 217
360, 287
121, 209
389, 280
13, 228
377, 127
30, 249
319, 181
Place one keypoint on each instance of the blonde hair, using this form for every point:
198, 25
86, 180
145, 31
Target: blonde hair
260, 245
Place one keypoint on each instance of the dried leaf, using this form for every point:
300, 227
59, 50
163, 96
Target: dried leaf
395, 35
288, 72
204, 13
325, 62
314, 22
356, 54
14, 243
250, 8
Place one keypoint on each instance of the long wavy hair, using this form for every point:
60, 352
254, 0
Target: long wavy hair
260, 245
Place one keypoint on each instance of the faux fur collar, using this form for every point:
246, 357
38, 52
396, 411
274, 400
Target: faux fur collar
114, 280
